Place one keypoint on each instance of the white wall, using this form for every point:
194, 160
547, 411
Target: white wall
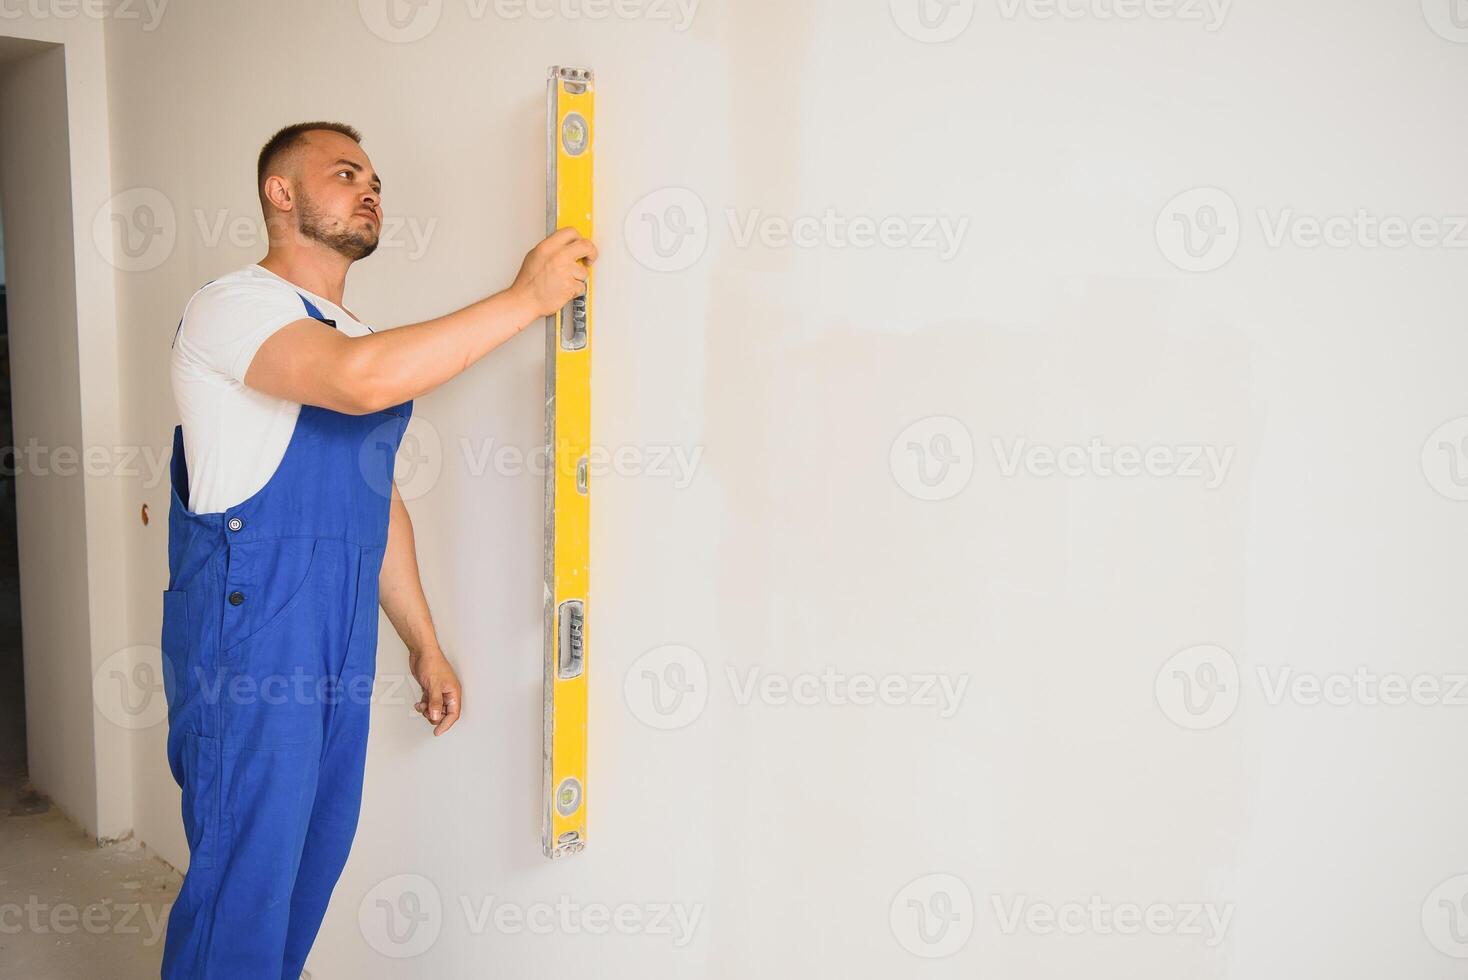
811, 379
72, 496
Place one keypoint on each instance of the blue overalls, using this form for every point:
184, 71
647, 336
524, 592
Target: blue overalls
270, 647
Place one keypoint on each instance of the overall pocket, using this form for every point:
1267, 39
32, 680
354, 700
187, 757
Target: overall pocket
175, 643
272, 576
202, 798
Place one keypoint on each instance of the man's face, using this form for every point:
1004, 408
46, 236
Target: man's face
338, 196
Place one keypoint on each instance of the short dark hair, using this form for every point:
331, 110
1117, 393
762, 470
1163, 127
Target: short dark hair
287, 138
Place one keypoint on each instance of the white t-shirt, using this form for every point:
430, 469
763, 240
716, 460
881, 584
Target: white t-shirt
235, 437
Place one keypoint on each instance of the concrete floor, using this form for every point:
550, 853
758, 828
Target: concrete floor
69, 910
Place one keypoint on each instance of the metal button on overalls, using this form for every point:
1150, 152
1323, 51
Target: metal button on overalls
272, 784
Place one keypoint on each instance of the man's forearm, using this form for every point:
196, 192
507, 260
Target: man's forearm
400, 591
392, 366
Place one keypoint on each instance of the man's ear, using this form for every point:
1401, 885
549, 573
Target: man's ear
278, 193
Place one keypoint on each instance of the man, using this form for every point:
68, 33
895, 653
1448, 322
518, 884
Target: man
285, 533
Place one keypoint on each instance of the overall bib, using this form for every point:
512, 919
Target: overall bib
269, 654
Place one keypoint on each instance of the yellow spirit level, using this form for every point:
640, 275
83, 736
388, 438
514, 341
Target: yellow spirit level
568, 442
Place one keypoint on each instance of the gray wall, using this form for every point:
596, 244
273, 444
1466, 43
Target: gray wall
50, 495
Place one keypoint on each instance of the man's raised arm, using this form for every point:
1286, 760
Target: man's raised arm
311, 363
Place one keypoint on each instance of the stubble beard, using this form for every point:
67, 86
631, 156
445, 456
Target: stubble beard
318, 226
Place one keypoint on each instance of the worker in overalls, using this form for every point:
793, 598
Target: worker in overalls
285, 532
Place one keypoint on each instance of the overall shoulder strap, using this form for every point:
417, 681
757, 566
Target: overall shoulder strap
314, 312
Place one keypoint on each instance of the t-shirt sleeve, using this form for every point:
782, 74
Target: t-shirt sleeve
226, 322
